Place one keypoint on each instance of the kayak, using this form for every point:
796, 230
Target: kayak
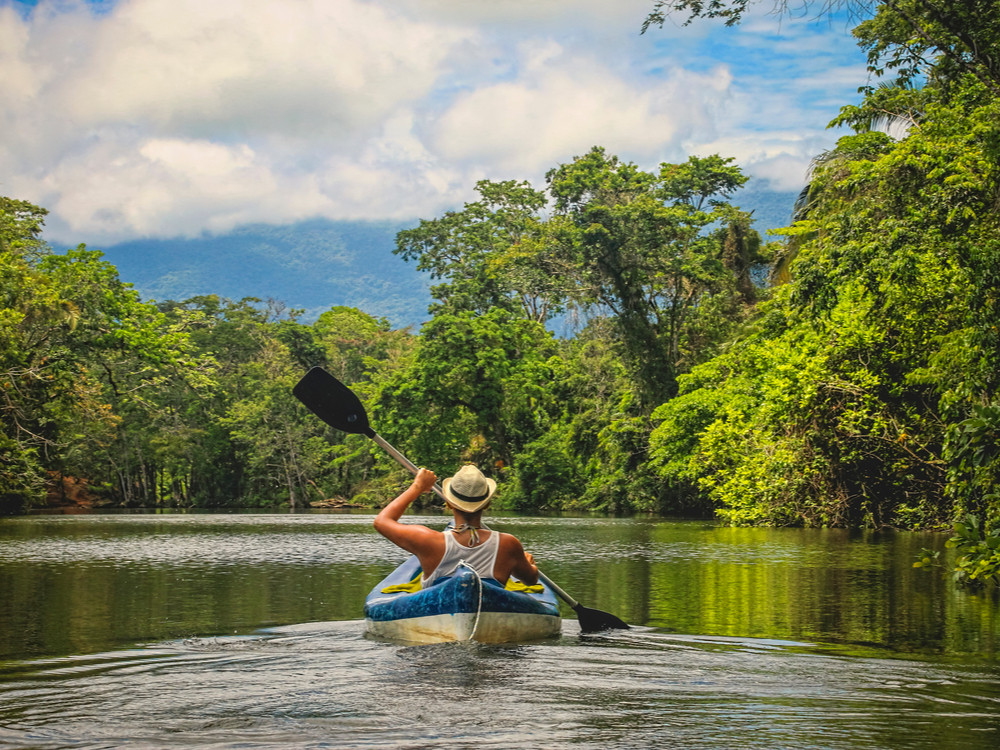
460, 607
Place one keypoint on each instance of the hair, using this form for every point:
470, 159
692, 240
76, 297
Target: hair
466, 514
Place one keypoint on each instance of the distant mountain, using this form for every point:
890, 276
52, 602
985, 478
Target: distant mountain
314, 265
771, 209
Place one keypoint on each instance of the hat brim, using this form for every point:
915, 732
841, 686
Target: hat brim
465, 505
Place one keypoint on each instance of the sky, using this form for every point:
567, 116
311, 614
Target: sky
132, 119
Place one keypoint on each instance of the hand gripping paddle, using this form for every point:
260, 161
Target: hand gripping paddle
339, 407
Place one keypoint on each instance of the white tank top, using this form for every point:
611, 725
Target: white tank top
481, 558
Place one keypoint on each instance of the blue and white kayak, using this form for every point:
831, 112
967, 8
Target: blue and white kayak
461, 607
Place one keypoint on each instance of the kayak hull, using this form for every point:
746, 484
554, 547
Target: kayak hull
462, 607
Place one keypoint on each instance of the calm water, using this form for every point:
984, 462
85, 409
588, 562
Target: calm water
242, 631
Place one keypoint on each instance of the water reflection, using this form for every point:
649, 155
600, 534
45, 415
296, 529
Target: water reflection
88, 583
827, 585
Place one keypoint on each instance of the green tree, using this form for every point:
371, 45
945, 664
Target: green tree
477, 389
29, 308
639, 246
662, 257
248, 441
888, 313
835, 408
458, 248
960, 36
357, 345
81, 357
146, 364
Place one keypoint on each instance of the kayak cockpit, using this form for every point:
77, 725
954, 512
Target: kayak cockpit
460, 607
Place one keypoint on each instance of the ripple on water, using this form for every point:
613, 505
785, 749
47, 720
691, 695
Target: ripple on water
184, 551
326, 685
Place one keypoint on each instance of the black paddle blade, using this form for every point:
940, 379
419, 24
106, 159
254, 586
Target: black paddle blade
333, 402
594, 620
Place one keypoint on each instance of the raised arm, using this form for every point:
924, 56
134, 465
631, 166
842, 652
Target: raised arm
425, 543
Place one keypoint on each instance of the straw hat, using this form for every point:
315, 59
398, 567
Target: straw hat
468, 490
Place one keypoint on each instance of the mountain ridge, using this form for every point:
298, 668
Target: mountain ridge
316, 264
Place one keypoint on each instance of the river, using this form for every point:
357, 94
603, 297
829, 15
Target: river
243, 631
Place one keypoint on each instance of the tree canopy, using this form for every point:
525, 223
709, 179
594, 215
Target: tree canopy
845, 376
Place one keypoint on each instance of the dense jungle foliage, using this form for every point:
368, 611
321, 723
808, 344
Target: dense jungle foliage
856, 386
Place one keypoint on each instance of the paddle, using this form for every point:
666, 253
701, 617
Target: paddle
339, 407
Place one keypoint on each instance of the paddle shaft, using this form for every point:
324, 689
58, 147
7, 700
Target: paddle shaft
559, 592
404, 461
384, 445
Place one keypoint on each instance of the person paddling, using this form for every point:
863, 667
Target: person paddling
468, 493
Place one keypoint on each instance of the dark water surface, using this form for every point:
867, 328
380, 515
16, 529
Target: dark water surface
243, 631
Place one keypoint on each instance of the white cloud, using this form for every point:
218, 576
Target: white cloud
540, 15
563, 104
783, 171
173, 117
233, 66
780, 157
116, 121
253, 66
172, 187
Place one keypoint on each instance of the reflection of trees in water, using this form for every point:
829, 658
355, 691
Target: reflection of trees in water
82, 584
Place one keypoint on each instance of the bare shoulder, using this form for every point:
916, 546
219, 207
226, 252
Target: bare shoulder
510, 543
513, 560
